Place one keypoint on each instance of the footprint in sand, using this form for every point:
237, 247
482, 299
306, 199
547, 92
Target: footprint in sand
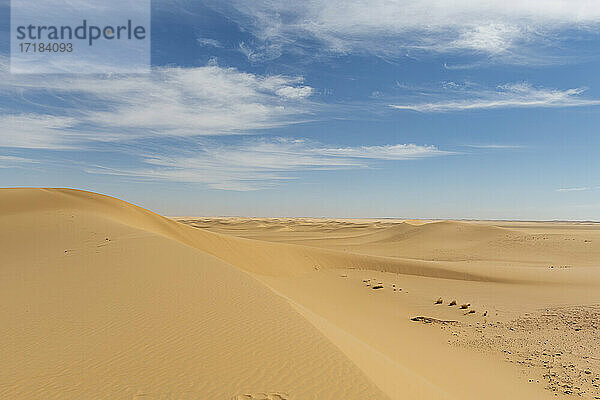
262, 396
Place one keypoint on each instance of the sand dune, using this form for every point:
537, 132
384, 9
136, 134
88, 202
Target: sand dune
534, 244
509, 274
95, 306
103, 299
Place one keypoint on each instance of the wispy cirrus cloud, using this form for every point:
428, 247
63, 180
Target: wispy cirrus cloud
166, 124
495, 146
574, 189
12, 161
387, 152
209, 42
35, 131
252, 164
68, 111
513, 95
510, 31
494, 38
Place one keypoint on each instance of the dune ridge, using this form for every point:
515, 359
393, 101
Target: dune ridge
259, 257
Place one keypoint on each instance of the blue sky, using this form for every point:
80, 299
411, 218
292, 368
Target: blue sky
327, 108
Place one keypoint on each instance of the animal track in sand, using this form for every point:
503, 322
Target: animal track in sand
262, 396
464, 306
560, 266
376, 284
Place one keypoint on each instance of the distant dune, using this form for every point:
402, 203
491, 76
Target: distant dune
101, 299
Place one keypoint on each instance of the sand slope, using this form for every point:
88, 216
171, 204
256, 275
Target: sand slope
94, 304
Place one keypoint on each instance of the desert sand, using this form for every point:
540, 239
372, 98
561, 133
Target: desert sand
101, 299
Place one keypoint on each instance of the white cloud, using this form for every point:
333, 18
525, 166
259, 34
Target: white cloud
494, 146
208, 100
185, 108
292, 92
387, 152
260, 52
493, 38
36, 131
573, 189
395, 26
505, 96
12, 161
208, 42
260, 163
